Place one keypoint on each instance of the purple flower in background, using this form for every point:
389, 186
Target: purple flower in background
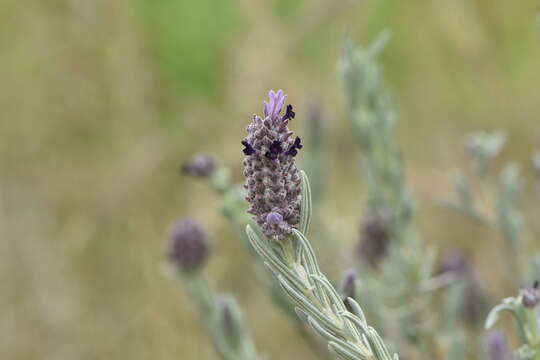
272, 179
189, 247
375, 234
497, 347
201, 165
474, 301
456, 262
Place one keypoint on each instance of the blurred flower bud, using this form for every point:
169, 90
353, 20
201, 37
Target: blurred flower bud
348, 285
484, 147
474, 302
497, 346
230, 320
530, 297
375, 235
189, 247
457, 263
201, 165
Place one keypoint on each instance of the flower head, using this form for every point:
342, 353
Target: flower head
272, 179
189, 247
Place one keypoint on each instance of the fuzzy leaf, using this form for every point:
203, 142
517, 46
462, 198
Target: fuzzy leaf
305, 212
494, 314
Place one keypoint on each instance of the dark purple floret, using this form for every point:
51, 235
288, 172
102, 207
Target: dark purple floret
189, 247
248, 149
292, 152
289, 113
297, 143
272, 179
293, 149
274, 150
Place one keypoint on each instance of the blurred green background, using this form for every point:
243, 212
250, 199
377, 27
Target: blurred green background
102, 100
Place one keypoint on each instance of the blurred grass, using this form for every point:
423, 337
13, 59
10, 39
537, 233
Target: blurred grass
101, 100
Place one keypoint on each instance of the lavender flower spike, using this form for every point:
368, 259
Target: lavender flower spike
272, 180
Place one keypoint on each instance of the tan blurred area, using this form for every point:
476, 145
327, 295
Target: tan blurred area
102, 100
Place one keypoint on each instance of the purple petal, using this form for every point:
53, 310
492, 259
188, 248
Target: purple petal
275, 103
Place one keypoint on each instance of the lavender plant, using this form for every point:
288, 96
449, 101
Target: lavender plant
400, 286
280, 202
400, 265
188, 252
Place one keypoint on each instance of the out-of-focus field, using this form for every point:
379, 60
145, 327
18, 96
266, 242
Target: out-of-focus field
102, 100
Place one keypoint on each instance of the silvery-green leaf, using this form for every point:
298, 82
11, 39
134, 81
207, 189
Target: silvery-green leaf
344, 353
350, 347
494, 314
378, 45
307, 306
525, 352
275, 263
331, 293
305, 212
357, 310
